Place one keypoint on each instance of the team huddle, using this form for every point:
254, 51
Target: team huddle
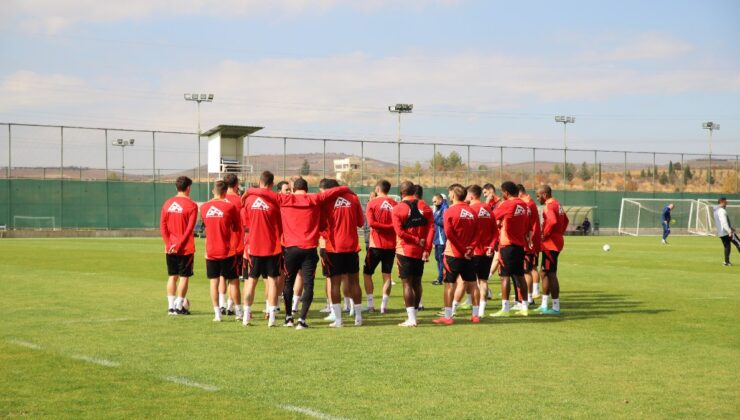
275, 236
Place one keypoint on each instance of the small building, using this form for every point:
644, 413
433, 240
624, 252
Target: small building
342, 166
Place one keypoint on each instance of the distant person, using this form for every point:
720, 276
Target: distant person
531, 250
487, 238
440, 207
554, 224
382, 247
489, 192
237, 242
586, 226
177, 222
666, 220
725, 231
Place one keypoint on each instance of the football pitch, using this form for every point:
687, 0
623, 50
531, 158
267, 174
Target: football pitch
646, 331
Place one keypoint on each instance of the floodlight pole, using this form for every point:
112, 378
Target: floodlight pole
565, 119
400, 109
123, 144
198, 98
711, 126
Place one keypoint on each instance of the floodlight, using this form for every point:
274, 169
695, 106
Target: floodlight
131, 142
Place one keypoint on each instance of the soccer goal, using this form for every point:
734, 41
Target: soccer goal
702, 220
643, 216
34, 222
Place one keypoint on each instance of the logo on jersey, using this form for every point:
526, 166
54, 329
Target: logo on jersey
520, 211
214, 212
175, 208
342, 202
386, 206
464, 214
483, 213
560, 210
259, 204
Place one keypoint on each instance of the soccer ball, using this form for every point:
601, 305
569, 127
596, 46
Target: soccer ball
186, 304
606, 248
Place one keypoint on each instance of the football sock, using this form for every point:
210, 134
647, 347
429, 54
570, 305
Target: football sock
505, 305
482, 308
247, 313
358, 313
296, 299
370, 300
178, 302
536, 289
229, 304
238, 310
475, 310
384, 302
529, 298
454, 306
411, 312
346, 303
217, 311
545, 299
221, 299
556, 304
337, 309
171, 302
448, 312
271, 312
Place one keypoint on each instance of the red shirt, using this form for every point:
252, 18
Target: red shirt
513, 219
554, 224
343, 218
494, 201
262, 218
461, 228
176, 224
534, 225
380, 219
487, 228
237, 238
221, 221
407, 241
300, 214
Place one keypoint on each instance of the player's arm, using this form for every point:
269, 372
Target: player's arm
192, 217
549, 222
358, 212
332, 193
451, 233
235, 222
401, 232
375, 223
163, 229
262, 192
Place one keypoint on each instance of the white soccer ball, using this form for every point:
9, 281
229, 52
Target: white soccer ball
186, 304
606, 248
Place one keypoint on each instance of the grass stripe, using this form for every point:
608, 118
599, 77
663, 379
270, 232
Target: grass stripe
309, 412
26, 344
188, 382
96, 360
80, 321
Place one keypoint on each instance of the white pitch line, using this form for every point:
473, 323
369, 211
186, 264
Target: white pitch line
26, 344
96, 360
188, 382
309, 412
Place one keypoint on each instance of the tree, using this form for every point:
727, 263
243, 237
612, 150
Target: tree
670, 166
305, 168
687, 174
454, 160
570, 170
483, 168
438, 162
663, 178
585, 173
642, 173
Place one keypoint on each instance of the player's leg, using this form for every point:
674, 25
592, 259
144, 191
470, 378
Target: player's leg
439, 257
297, 291
293, 261
353, 278
171, 290
182, 291
367, 276
535, 278
550, 273
336, 297
527, 297
475, 298
727, 248
308, 272
250, 286
546, 262
409, 300
450, 288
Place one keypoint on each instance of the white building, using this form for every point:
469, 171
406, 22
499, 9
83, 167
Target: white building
342, 166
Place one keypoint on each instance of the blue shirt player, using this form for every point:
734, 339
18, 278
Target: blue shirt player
666, 220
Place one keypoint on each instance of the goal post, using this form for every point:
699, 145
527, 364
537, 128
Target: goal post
34, 222
703, 222
643, 216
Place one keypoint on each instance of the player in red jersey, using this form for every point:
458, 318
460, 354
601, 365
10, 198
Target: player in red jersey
176, 224
487, 238
264, 250
533, 248
221, 221
513, 219
300, 213
460, 225
382, 246
412, 222
233, 305
343, 218
489, 192
554, 224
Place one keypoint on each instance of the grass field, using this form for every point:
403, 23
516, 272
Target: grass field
646, 331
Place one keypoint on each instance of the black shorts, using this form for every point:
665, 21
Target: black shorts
511, 258
343, 263
375, 256
303, 260
240, 265
482, 266
409, 267
530, 261
325, 264
225, 267
246, 267
550, 261
180, 265
265, 266
461, 267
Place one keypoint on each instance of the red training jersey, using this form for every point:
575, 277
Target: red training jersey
176, 224
221, 221
494, 201
461, 228
534, 226
407, 240
487, 228
554, 224
262, 218
343, 218
237, 239
380, 220
513, 219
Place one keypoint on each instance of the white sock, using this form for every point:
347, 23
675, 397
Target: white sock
346, 303
296, 299
171, 302
229, 304
468, 300
545, 298
411, 312
337, 309
448, 312
217, 311
482, 309
455, 304
475, 310
238, 310
358, 313
421, 303
178, 302
529, 298
267, 306
505, 305
221, 299
370, 300
536, 288
384, 302
556, 304
247, 312
271, 312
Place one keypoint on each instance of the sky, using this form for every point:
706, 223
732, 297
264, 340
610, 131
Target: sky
636, 75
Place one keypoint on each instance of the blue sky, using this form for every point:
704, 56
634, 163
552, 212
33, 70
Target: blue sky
637, 75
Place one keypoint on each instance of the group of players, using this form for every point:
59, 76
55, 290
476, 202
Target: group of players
275, 236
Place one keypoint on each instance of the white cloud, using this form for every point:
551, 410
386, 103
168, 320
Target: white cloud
650, 47
27, 89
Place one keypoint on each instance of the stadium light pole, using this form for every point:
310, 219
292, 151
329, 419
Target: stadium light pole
565, 119
711, 126
400, 109
123, 144
198, 98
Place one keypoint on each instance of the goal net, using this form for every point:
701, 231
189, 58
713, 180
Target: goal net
702, 220
364, 199
643, 216
34, 222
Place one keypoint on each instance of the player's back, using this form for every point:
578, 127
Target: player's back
534, 223
460, 224
177, 220
221, 220
407, 237
344, 216
380, 212
300, 217
265, 229
487, 229
555, 223
514, 218
237, 238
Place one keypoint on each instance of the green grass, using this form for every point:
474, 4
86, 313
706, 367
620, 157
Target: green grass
646, 331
